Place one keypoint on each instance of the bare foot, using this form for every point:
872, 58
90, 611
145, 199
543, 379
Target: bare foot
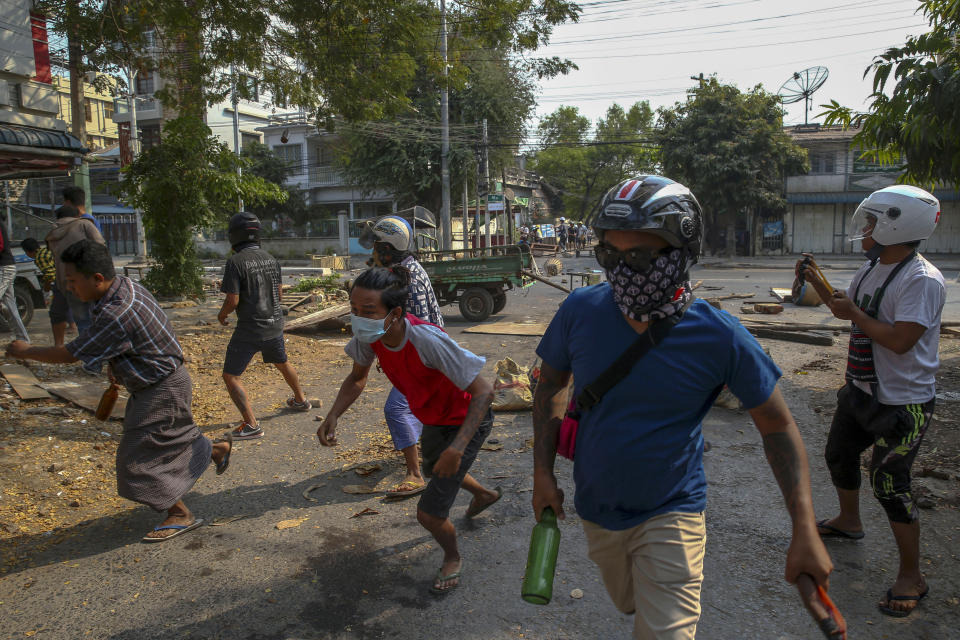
481, 502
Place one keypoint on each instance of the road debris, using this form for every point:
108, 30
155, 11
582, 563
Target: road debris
313, 487
292, 523
366, 512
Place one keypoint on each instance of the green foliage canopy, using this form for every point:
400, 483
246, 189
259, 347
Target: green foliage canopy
729, 148
918, 118
187, 182
579, 166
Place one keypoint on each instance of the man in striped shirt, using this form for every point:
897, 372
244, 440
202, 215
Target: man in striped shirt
162, 452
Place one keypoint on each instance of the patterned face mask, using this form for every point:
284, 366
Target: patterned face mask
661, 290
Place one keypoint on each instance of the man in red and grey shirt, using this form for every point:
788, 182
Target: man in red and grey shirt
442, 383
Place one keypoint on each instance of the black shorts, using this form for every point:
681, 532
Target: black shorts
441, 492
59, 308
242, 348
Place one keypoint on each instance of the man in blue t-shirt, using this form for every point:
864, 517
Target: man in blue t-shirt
640, 484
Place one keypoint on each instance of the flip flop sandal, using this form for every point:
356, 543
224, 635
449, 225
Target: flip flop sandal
406, 493
833, 532
178, 530
223, 464
897, 613
471, 511
442, 578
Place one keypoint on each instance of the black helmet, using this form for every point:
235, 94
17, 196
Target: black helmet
243, 227
654, 204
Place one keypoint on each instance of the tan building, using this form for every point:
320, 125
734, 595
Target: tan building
97, 111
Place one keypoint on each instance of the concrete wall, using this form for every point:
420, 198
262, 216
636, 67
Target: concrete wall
280, 247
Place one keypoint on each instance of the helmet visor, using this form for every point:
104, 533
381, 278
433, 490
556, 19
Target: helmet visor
862, 224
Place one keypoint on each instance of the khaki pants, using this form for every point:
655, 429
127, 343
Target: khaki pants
655, 571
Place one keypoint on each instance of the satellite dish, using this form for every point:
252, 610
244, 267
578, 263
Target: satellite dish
801, 86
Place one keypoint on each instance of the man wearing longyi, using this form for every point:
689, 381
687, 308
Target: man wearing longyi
162, 452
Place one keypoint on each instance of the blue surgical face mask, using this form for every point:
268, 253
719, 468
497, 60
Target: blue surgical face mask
368, 330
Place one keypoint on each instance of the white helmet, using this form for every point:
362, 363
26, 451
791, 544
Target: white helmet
895, 215
393, 230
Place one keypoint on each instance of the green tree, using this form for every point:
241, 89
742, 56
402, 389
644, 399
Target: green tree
730, 149
579, 167
357, 59
265, 164
188, 182
403, 155
918, 120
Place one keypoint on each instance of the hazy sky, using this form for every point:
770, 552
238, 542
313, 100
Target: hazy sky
630, 50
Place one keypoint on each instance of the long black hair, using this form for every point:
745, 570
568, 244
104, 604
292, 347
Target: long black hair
392, 282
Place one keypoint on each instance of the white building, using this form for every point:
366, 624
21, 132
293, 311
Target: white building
309, 153
821, 203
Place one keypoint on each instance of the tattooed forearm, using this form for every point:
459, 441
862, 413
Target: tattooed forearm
788, 465
548, 408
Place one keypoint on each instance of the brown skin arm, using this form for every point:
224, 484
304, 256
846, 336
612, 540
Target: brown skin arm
53, 355
350, 390
230, 304
788, 460
549, 406
448, 463
899, 337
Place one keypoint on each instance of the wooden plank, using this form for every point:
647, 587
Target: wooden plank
819, 338
87, 396
510, 329
299, 302
531, 274
796, 326
23, 382
317, 317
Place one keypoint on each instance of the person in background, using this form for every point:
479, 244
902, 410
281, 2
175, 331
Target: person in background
391, 239
162, 452
70, 229
77, 197
894, 303
251, 280
8, 297
59, 310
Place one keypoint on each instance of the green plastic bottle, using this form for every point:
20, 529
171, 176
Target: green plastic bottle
542, 559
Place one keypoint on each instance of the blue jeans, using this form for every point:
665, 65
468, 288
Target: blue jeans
404, 427
8, 275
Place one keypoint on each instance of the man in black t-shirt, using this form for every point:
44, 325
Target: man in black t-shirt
251, 280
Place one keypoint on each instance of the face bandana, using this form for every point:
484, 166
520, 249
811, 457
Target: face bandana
659, 291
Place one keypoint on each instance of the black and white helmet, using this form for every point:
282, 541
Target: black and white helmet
656, 205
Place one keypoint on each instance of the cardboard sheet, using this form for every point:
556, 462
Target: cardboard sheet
510, 328
23, 382
87, 395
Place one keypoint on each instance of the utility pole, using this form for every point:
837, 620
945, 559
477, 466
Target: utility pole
78, 126
135, 150
486, 178
700, 78
445, 223
236, 123
466, 204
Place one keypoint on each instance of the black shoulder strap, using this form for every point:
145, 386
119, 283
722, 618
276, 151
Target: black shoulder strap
874, 305
594, 392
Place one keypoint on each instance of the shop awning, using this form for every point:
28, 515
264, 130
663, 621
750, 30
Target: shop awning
29, 152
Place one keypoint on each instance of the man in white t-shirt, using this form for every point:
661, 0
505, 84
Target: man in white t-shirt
894, 302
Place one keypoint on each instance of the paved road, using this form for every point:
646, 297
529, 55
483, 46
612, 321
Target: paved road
338, 577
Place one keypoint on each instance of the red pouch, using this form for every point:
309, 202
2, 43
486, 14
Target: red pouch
567, 440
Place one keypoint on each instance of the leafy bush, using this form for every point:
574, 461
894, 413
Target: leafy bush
324, 282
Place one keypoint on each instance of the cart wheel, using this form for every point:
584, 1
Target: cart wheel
553, 266
476, 304
499, 301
